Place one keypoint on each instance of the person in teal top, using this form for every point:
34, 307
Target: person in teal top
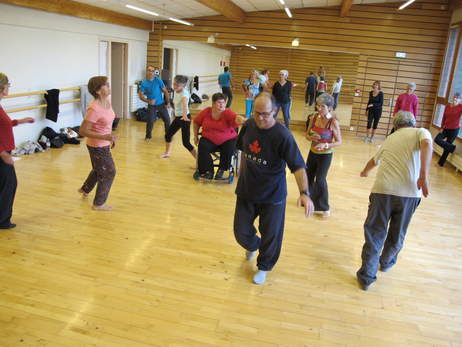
251, 87
182, 118
155, 94
226, 84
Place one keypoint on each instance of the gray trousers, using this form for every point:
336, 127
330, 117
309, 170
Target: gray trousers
381, 245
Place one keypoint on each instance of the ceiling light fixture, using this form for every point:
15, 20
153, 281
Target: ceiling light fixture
290, 14
142, 10
211, 39
295, 42
406, 4
180, 21
282, 2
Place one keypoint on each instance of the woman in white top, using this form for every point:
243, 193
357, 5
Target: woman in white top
182, 117
336, 90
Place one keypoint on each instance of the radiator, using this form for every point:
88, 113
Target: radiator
134, 99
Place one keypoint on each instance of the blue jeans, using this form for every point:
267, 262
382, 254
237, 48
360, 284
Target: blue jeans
285, 112
248, 107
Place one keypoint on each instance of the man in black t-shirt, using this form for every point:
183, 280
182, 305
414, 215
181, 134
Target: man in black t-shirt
261, 191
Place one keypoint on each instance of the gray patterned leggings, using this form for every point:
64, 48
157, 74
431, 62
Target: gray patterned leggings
103, 173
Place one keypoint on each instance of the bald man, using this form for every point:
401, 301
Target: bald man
267, 146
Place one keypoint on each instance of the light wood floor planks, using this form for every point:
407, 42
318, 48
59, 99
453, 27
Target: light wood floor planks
163, 268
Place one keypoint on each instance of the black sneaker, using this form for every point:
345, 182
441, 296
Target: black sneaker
219, 175
9, 226
208, 175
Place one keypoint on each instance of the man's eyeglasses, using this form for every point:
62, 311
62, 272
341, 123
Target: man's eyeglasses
263, 114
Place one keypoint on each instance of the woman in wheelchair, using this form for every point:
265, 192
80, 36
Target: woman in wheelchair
218, 126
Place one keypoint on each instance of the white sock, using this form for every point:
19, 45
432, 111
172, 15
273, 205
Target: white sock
260, 277
250, 254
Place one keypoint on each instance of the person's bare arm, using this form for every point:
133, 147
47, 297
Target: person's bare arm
369, 166
426, 150
304, 198
145, 99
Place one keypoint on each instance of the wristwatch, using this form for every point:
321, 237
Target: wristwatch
305, 192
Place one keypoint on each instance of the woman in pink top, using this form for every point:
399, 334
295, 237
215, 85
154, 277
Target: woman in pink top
97, 127
408, 101
218, 134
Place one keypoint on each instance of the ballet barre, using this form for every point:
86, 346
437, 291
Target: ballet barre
40, 92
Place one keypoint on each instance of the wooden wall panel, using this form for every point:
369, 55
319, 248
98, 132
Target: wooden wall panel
371, 33
299, 63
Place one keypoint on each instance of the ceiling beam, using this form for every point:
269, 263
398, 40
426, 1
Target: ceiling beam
77, 9
225, 7
345, 9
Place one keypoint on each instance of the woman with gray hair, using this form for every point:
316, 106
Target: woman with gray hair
8, 181
408, 101
282, 92
324, 133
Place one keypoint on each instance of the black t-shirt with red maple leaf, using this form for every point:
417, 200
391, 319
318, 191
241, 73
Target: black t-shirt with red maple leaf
265, 153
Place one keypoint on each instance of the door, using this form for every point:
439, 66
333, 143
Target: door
119, 86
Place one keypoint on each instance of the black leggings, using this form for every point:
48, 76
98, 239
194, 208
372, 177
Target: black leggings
317, 166
450, 135
8, 183
204, 159
373, 116
185, 127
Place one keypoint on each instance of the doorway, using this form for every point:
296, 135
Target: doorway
114, 64
169, 68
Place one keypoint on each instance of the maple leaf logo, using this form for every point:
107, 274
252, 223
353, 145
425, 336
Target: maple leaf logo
255, 147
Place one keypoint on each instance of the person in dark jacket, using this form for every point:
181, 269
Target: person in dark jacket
311, 83
282, 90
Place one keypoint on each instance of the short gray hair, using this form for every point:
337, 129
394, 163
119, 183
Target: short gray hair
326, 99
285, 72
3, 80
412, 85
180, 79
403, 119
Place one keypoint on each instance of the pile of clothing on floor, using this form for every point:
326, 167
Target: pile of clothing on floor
49, 138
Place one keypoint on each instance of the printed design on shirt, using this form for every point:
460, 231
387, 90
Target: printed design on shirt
255, 147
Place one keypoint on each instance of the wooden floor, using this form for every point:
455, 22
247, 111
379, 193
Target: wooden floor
163, 268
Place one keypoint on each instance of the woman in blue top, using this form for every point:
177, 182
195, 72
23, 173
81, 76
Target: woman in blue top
251, 87
182, 117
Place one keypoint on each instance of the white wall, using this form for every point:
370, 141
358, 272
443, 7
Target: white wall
42, 50
199, 59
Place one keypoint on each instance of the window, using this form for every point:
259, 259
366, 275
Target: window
451, 75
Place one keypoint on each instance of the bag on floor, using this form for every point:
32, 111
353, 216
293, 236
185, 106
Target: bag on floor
141, 114
196, 99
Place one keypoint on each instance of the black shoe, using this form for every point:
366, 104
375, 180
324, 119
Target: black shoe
362, 285
208, 175
219, 175
9, 226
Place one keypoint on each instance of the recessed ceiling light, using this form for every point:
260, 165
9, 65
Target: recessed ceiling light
142, 10
180, 21
406, 4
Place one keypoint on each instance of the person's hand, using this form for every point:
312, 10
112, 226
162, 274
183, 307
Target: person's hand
305, 201
112, 138
240, 119
364, 173
422, 183
152, 102
7, 158
321, 146
196, 140
370, 105
27, 120
185, 118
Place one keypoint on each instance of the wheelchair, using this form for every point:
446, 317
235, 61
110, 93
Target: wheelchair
233, 168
